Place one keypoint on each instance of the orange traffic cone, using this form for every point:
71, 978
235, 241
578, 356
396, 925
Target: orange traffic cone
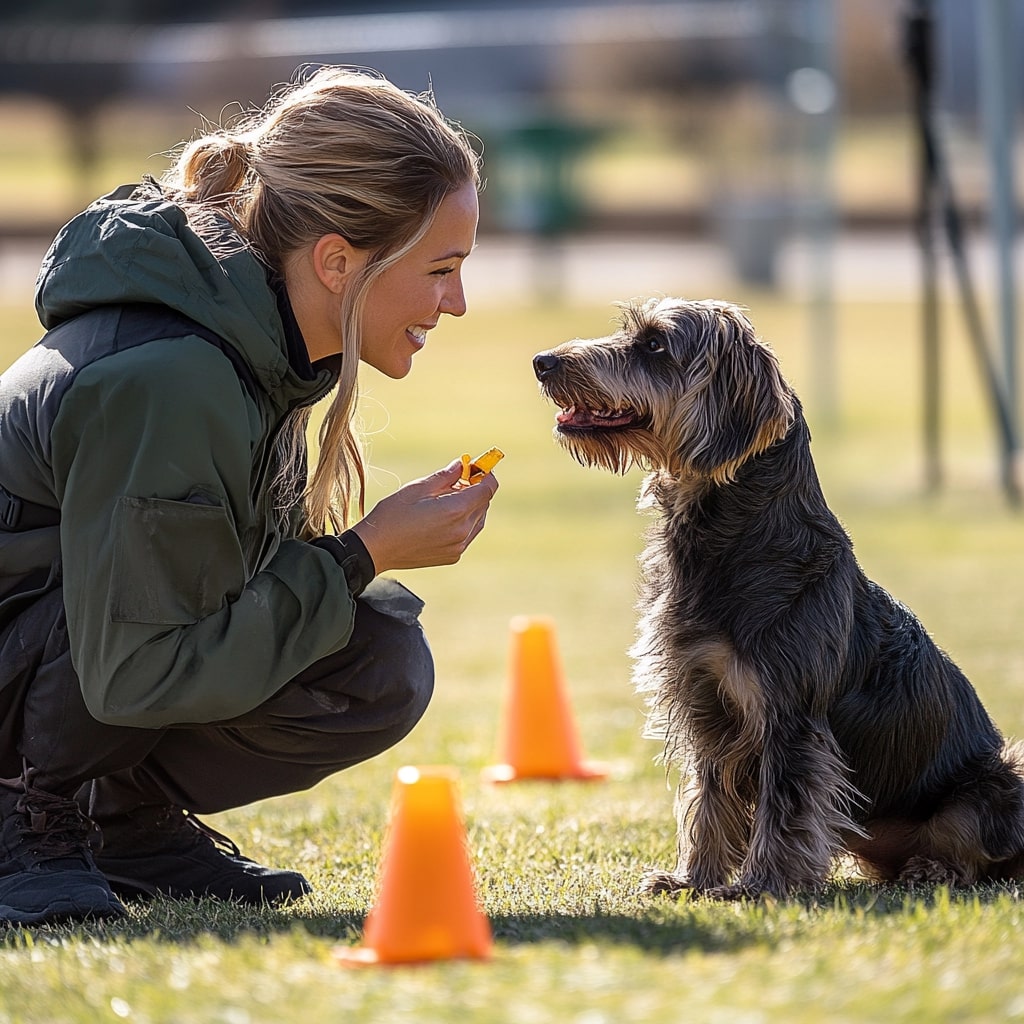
426, 905
538, 738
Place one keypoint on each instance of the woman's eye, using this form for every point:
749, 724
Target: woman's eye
444, 271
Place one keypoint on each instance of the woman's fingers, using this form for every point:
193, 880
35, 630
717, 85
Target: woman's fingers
427, 522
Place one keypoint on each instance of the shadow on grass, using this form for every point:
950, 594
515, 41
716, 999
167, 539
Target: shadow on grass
669, 933
180, 923
656, 926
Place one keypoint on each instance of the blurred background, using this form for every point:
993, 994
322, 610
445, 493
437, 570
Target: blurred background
815, 152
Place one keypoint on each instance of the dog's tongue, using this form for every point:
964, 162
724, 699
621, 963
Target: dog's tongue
575, 417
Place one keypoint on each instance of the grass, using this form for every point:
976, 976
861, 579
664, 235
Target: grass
556, 865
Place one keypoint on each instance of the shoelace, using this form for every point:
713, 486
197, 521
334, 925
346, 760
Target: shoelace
53, 827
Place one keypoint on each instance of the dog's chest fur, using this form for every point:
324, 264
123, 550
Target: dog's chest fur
723, 569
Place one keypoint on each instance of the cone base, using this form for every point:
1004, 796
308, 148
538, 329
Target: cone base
364, 956
586, 771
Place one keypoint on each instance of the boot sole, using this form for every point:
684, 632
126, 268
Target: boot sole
131, 890
60, 910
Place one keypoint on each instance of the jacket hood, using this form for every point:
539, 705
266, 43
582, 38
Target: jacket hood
135, 246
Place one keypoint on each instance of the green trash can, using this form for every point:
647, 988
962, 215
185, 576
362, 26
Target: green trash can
535, 176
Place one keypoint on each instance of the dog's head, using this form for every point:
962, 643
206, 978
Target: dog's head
683, 387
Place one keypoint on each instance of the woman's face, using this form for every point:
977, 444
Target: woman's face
407, 300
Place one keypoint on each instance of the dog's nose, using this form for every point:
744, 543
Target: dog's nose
544, 363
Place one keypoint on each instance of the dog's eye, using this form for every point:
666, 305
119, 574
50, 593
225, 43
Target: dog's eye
654, 344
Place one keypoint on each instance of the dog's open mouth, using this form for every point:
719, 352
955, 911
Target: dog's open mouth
574, 417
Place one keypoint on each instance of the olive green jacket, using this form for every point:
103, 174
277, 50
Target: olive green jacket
186, 601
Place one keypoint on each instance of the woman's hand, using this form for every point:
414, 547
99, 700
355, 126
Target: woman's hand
426, 522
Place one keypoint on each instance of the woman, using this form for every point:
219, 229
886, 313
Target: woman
188, 623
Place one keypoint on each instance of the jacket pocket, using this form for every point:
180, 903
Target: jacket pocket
175, 562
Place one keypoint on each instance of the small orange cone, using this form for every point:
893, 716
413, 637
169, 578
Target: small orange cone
539, 737
426, 905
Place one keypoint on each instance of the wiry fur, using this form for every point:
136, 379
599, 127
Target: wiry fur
810, 712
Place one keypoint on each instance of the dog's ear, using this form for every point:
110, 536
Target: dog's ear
742, 404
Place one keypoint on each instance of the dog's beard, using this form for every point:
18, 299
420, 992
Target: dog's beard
593, 429
597, 448
615, 448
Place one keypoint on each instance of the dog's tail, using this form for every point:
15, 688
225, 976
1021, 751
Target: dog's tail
1002, 828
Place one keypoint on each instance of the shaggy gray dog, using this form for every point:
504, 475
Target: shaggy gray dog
810, 712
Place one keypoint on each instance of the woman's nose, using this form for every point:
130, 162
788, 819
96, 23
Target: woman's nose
454, 301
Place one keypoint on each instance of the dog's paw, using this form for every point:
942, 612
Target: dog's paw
924, 871
663, 882
732, 893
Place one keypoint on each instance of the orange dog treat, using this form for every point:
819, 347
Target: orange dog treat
483, 464
474, 470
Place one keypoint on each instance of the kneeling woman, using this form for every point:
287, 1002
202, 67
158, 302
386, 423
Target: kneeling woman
187, 622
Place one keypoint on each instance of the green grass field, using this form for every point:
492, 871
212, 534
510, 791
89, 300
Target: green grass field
557, 864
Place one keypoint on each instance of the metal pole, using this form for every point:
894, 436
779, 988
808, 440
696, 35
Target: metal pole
919, 46
820, 23
996, 36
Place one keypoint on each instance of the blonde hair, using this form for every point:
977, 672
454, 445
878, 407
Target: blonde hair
342, 151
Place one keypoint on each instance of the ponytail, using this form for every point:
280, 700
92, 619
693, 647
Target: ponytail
213, 169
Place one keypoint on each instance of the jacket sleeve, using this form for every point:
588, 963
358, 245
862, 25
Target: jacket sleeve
155, 456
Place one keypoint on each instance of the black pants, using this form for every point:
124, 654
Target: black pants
343, 709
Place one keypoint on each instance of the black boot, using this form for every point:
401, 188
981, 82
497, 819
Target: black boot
47, 872
166, 851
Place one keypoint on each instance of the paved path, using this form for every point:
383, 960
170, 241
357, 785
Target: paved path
860, 267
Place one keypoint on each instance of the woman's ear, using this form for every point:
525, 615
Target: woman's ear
335, 260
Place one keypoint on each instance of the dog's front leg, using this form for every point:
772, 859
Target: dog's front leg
712, 828
804, 805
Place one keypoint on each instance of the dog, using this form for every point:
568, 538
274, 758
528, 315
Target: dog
811, 716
